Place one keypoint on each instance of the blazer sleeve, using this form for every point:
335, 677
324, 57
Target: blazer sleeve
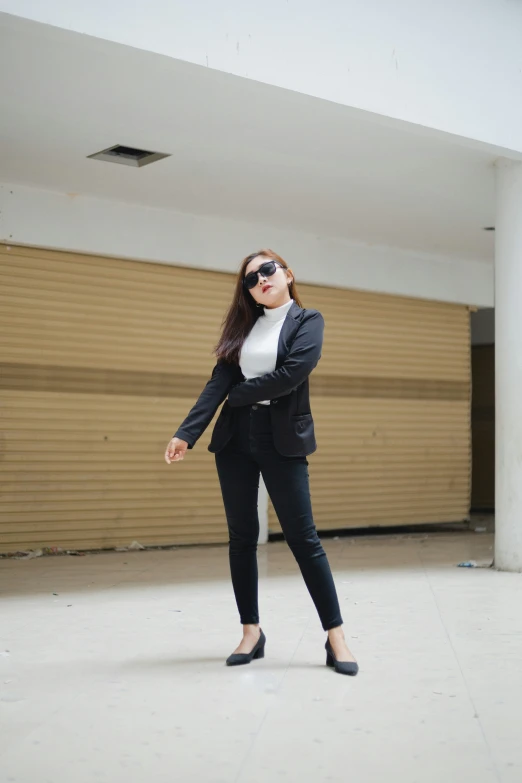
297, 366
223, 377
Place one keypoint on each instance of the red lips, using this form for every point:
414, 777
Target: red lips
266, 287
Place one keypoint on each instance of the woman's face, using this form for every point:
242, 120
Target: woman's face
270, 291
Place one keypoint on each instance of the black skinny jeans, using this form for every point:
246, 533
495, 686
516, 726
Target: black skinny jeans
249, 453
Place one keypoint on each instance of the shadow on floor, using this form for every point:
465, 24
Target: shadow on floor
193, 566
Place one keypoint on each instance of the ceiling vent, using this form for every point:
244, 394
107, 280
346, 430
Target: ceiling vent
129, 156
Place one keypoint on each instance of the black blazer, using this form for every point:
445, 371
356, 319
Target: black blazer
287, 387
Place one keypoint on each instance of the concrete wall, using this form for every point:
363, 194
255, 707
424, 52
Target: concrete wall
55, 220
452, 66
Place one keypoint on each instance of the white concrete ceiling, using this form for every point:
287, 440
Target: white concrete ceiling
238, 148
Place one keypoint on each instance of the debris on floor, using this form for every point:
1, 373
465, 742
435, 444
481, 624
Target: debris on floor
29, 554
135, 546
475, 564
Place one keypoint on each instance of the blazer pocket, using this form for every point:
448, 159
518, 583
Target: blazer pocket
302, 421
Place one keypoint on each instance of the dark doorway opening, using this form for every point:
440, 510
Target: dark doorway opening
483, 411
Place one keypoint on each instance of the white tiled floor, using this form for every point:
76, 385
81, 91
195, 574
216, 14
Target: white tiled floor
121, 676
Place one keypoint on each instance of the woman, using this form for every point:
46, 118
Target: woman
268, 348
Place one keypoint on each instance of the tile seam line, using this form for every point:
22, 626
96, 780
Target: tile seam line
464, 679
269, 708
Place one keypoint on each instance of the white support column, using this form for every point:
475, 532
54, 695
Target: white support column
508, 366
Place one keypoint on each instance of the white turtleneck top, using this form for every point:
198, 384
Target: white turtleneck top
259, 352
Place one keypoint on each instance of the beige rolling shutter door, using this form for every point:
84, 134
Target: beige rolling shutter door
101, 360
391, 402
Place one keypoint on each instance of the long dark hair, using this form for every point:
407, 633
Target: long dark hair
244, 311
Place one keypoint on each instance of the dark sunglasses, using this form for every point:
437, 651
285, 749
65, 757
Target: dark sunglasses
266, 270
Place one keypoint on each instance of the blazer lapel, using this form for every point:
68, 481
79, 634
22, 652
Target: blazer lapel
287, 334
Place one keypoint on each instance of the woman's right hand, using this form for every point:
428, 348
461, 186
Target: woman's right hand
175, 450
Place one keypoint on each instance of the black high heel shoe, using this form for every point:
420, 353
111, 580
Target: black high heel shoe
258, 651
341, 667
